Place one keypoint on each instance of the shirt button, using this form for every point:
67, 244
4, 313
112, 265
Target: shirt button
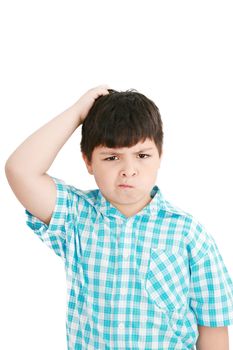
124, 291
121, 326
126, 256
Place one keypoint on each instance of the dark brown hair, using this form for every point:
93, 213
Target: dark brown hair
121, 119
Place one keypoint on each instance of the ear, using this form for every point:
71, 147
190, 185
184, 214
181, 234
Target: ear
88, 164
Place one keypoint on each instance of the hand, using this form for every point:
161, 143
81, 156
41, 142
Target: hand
86, 101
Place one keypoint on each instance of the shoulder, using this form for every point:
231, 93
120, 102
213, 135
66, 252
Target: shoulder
74, 194
172, 210
194, 232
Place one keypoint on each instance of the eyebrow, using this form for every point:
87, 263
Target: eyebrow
113, 151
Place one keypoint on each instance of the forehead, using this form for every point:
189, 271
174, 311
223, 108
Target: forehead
140, 146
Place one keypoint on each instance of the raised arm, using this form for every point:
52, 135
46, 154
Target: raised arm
27, 166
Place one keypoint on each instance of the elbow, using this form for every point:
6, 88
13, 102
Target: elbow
9, 167
11, 170
12, 166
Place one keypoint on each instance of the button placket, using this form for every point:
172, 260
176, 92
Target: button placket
127, 239
121, 326
126, 251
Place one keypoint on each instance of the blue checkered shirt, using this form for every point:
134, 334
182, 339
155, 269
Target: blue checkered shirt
143, 282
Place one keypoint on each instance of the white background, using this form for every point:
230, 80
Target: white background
178, 53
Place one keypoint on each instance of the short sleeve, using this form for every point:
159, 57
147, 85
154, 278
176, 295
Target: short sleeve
211, 289
54, 234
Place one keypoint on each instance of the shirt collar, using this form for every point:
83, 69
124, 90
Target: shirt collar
151, 209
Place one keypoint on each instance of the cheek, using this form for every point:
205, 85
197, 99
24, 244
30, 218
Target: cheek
150, 168
103, 177
150, 173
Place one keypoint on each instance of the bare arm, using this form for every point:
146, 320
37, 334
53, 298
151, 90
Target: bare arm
26, 167
214, 338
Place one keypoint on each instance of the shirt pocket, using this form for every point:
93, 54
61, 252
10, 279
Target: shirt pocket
168, 279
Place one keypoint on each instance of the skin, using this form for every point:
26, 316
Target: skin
213, 338
134, 165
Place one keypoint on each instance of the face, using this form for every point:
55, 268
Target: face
135, 166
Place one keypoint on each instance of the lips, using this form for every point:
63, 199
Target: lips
125, 186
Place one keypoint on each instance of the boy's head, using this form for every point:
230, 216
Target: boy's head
121, 119
122, 139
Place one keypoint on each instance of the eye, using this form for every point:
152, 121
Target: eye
144, 156
110, 158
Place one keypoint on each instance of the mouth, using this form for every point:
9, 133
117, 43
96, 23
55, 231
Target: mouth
125, 186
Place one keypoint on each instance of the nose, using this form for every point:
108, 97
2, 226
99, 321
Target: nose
128, 170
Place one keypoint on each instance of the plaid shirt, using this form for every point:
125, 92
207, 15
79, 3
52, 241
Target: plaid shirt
143, 282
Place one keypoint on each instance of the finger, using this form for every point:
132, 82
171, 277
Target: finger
103, 86
103, 90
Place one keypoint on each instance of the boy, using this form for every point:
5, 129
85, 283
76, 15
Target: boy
141, 273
